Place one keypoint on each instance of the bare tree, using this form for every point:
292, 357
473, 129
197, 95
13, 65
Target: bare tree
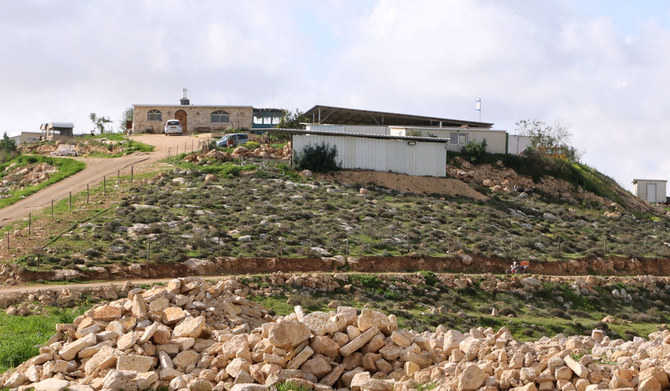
555, 136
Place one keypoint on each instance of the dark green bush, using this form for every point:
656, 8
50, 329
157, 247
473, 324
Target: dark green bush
319, 158
474, 151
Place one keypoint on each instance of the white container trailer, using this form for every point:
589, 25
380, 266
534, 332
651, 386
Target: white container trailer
650, 190
411, 156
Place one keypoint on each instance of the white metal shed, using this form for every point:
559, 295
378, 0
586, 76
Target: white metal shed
651, 190
420, 156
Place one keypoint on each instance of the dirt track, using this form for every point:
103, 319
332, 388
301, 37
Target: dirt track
97, 168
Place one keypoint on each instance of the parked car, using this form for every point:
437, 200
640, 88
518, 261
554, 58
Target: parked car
232, 140
173, 126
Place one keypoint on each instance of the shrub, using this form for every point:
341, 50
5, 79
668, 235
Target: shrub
474, 151
251, 145
319, 158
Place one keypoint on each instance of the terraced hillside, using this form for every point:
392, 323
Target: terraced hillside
212, 208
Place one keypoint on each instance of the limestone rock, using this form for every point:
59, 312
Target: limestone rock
135, 363
287, 334
189, 327
53, 384
369, 318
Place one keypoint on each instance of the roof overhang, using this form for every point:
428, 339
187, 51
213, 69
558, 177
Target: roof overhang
344, 116
648, 180
361, 135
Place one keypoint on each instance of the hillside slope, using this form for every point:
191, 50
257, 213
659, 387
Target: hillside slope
216, 207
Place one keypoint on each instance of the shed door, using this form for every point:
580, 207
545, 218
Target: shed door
181, 116
651, 192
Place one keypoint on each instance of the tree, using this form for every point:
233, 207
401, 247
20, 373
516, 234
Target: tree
99, 122
291, 120
125, 117
8, 148
553, 137
319, 158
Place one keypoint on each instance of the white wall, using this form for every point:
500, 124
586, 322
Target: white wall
496, 140
516, 143
360, 129
640, 187
400, 156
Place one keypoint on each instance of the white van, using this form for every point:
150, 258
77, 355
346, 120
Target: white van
232, 140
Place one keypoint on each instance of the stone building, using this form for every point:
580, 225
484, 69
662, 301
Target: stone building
193, 118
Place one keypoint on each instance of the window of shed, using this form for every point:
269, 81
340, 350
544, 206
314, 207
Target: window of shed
220, 116
462, 139
154, 115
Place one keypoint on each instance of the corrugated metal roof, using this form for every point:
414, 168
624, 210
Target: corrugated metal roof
366, 135
345, 116
649, 180
61, 124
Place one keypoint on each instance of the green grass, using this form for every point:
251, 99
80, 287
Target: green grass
20, 337
290, 386
66, 167
426, 387
541, 315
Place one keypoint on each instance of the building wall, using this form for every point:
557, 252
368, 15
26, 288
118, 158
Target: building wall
240, 117
516, 143
400, 156
360, 129
26, 137
496, 140
640, 190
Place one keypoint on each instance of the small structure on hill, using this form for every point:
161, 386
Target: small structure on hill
151, 118
650, 190
57, 130
420, 156
27, 137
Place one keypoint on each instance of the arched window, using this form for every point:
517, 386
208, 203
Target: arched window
220, 116
155, 115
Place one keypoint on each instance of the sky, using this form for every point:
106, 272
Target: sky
601, 67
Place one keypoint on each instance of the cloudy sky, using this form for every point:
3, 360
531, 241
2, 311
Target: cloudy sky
601, 66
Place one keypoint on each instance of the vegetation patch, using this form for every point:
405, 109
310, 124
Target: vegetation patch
66, 167
20, 337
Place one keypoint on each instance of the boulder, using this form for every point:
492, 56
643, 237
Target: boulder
369, 318
189, 327
287, 334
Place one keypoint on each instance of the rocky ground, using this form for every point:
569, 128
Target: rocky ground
194, 335
14, 178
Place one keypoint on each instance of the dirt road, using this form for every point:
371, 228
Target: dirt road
97, 168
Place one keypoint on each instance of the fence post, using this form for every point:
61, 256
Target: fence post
132, 172
52, 209
30, 220
104, 185
87, 193
70, 201
118, 177
7, 240
168, 154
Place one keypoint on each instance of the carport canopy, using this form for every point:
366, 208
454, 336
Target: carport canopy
343, 116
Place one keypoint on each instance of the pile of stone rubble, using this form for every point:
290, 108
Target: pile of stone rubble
193, 335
